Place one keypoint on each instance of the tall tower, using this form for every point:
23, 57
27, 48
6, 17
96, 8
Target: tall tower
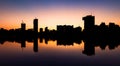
23, 26
89, 22
35, 25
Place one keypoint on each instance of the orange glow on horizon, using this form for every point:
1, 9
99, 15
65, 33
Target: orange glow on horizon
55, 16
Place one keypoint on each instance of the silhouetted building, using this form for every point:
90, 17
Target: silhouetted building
78, 29
102, 24
89, 22
46, 29
23, 26
41, 29
35, 25
30, 33
103, 28
30, 30
64, 28
112, 26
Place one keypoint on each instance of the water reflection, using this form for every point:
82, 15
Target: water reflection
89, 44
89, 48
35, 47
58, 52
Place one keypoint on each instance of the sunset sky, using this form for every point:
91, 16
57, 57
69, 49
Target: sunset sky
57, 12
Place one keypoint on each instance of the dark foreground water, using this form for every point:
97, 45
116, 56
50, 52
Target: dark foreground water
28, 53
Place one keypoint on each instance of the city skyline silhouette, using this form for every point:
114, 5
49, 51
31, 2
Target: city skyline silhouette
36, 25
92, 35
59, 32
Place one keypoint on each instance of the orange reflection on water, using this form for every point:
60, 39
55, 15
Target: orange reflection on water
10, 48
52, 45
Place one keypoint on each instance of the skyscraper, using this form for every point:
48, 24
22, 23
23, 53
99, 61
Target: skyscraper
89, 22
35, 25
23, 26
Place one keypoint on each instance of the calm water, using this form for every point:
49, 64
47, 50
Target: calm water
51, 54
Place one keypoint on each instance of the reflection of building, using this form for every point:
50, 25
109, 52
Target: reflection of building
46, 41
89, 48
64, 42
89, 22
35, 46
23, 26
23, 44
41, 40
35, 25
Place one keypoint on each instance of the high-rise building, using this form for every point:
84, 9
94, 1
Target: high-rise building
23, 26
89, 22
35, 25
